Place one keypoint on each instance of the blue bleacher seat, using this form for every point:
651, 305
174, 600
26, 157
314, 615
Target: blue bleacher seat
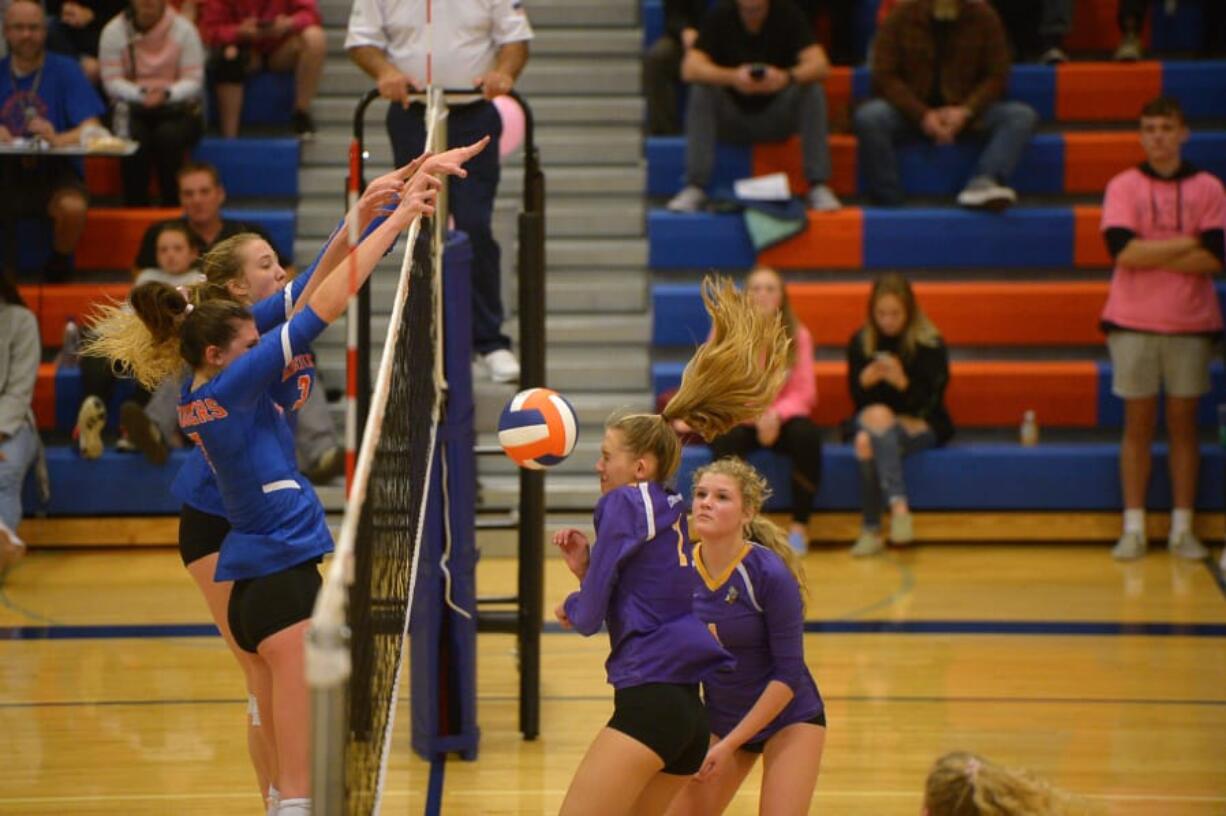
1200, 87
280, 225
268, 99
254, 168
117, 484
1022, 237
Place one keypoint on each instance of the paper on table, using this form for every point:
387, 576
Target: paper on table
771, 187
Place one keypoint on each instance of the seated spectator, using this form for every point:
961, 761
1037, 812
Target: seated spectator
1036, 31
786, 426
897, 370
963, 784
202, 196
1131, 18
247, 36
43, 96
755, 74
74, 27
153, 72
662, 64
1163, 224
19, 443
842, 16
176, 266
939, 68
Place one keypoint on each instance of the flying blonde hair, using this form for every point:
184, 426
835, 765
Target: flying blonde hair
964, 784
119, 334
732, 378
754, 493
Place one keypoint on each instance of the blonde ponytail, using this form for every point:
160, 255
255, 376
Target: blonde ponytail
964, 784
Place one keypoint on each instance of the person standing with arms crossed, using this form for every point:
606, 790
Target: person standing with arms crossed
469, 43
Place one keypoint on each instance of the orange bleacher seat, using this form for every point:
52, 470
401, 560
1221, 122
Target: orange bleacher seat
832, 239
973, 313
102, 177
54, 303
44, 396
838, 95
1095, 27
786, 157
988, 393
1089, 249
1092, 159
112, 235
1105, 91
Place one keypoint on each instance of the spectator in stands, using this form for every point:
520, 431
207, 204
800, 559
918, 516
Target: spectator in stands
786, 426
755, 75
74, 27
662, 64
246, 36
153, 72
963, 784
176, 266
897, 370
939, 68
842, 16
1163, 224
19, 356
481, 43
44, 96
1036, 31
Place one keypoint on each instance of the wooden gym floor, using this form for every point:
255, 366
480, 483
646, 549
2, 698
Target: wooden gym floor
1108, 679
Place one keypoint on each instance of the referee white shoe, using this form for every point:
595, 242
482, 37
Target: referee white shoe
502, 365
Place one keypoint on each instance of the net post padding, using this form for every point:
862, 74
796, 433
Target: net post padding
361, 615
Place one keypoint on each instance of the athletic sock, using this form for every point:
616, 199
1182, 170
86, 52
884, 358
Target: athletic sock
1134, 522
295, 807
1181, 522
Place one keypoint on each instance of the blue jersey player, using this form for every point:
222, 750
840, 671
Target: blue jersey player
637, 578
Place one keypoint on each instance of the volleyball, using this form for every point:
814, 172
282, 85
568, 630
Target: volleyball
538, 428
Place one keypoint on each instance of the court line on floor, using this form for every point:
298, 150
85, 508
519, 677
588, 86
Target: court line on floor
599, 698
1219, 576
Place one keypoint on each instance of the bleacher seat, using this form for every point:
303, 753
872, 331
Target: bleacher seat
1048, 477
54, 303
117, 484
268, 99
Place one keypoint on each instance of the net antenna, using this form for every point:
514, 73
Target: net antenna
355, 644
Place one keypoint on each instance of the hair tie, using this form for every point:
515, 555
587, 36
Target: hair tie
972, 768
188, 309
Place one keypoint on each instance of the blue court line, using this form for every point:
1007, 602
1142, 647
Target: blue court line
837, 627
434, 791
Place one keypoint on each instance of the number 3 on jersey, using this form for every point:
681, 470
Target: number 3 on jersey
304, 391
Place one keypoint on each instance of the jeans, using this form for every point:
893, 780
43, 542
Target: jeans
712, 116
881, 478
18, 451
471, 201
879, 125
661, 73
800, 440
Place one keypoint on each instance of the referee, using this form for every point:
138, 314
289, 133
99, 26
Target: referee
470, 43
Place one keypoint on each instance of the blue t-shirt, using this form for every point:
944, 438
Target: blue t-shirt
59, 93
755, 610
276, 519
640, 583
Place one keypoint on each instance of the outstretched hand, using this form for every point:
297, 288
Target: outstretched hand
381, 195
451, 162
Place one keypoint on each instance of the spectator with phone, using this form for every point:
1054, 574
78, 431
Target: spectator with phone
897, 370
755, 75
153, 71
247, 36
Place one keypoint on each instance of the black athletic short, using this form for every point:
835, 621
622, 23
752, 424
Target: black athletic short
757, 747
669, 718
200, 534
261, 607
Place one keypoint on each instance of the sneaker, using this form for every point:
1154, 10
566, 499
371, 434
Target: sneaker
91, 419
692, 198
1188, 546
1130, 547
985, 192
902, 530
869, 543
329, 465
799, 542
303, 125
1129, 49
1053, 56
502, 365
123, 444
143, 433
822, 199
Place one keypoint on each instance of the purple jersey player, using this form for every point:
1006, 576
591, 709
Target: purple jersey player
637, 578
750, 597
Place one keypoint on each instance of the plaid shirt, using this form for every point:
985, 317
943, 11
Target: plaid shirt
975, 65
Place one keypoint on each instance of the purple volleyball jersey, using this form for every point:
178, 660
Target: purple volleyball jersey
640, 584
754, 608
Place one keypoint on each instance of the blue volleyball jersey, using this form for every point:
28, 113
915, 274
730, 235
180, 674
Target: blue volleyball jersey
276, 519
640, 583
754, 608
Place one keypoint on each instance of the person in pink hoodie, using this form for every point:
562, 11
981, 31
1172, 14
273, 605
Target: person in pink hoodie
786, 426
1163, 224
245, 36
